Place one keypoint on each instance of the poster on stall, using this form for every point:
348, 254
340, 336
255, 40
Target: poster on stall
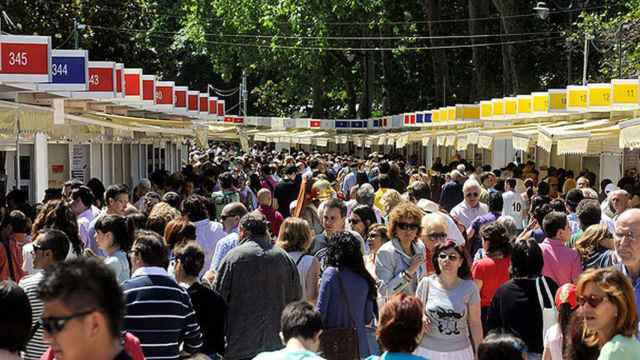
80, 163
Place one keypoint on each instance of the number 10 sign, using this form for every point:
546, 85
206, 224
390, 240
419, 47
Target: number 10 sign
25, 58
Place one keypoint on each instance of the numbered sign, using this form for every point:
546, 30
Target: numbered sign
577, 97
192, 101
148, 89
213, 106
221, 108
180, 98
557, 100
524, 104
203, 103
69, 71
133, 84
510, 105
498, 107
451, 113
25, 59
540, 102
599, 96
486, 109
119, 79
468, 112
164, 95
626, 92
102, 75
435, 115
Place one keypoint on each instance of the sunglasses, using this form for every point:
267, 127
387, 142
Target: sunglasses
473, 194
451, 257
593, 300
354, 221
407, 226
37, 247
54, 325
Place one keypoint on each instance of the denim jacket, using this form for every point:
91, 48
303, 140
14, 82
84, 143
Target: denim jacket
391, 262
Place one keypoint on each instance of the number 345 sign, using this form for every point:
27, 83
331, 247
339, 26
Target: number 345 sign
25, 58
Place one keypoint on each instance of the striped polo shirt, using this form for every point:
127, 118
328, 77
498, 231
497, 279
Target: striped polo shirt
160, 314
36, 346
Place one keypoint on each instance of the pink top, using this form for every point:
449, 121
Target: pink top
561, 263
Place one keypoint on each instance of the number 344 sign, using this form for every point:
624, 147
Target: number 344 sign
25, 58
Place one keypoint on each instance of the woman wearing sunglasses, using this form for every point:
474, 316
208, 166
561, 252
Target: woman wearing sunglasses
606, 300
400, 262
453, 329
376, 237
361, 219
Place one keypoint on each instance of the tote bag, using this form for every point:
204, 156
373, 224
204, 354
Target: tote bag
549, 315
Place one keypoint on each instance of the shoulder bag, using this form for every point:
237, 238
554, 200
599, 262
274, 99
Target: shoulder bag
549, 315
341, 343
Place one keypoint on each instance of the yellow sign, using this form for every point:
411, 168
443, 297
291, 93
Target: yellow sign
435, 116
486, 109
557, 100
600, 95
540, 102
459, 112
498, 107
451, 113
471, 112
524, 104
510, 105
576, 97
626, 91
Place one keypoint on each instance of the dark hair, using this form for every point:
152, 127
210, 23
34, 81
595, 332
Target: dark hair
254, 223
195, 207
56, 241
573, 198
575, 347
543, 188
558, 205
511, 182
526, 259
589, 213
539, 212
177, 231
139, 220
15, 312
85, 283
191, 257
73, 183
172, 199
384, 181
400, 323
85, 195
97, 188
419, 190
300, 320
156, 224
367, 215
384, 167
17, 220
484, 176
120, 227
335, 203
501, 346
57, 214
496, 235
564, 316
226, 180
554, 222
495, 201
464, 271
343, 251
149, 246
113, 191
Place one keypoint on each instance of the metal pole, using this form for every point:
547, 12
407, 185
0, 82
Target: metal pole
244, 92
585, 60
17, 151
76, 40
620, 52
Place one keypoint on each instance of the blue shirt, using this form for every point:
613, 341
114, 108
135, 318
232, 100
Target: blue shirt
223, 247
477, 224
395, 356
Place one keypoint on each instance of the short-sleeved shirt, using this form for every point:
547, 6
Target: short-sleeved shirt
620, 348
119, 263
513, 204
493, 273
448, 311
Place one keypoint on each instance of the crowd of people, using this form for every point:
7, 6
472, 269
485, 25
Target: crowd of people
271, 255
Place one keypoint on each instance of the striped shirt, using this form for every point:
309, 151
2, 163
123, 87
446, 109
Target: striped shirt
160, 314
36, 346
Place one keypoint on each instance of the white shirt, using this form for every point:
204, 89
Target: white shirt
514, 206
208, 233
466, 214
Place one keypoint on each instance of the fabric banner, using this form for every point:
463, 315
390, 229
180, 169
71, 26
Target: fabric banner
630, 137
441, 140
573, 146
462, 143
451, 140
472, 138
545, 142
521, 143
485, 142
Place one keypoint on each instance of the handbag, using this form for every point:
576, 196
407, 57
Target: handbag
549, 315
341, 343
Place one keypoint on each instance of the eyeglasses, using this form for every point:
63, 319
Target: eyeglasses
225, 217
473, 194
451, 257
437, 236
593, 300
354, 221
629, 236
407, 226
54, 325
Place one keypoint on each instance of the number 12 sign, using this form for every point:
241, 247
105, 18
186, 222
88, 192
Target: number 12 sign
25, 58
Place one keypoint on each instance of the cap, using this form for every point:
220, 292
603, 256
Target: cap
566, 294
609, 188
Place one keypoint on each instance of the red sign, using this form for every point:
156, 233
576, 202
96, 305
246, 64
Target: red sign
147, 90
406, 118
132, 84
228, 119
181, 99
238, 120
204, 104
193, 102
212, 106
221, 108
57, 168
413, 118
24, 59
100, 79
119, 80
164, 95
314, 123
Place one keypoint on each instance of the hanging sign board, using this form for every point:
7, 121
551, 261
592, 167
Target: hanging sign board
577, 97
221, 110
626, 92
213, 105
133, 84
498, 107
435, 115
192, 101
599, 96
69, 71
119, 80
510, 105
180, 98
486, 109
25, 59
557, 100
164, 95
540, 102
101, 81
148, 89
524, 104
203, 106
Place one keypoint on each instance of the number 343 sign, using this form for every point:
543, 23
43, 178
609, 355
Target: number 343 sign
25, 58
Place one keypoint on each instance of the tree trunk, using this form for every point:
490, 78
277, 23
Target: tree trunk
482, 82
439, 57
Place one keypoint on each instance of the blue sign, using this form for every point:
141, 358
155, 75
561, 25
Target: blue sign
427, 117
68, 70
342, 124
357, 124
419, 118
376, 123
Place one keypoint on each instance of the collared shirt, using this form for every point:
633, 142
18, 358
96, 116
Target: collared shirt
208, 233
223, 247
84, 221
349, 181
561, 264
467, 214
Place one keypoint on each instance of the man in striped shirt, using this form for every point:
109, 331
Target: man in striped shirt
49, 247
159, 311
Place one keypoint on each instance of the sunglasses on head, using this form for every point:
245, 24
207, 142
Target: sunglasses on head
407, 226
472, 194
55, 324
451, 257
593, 300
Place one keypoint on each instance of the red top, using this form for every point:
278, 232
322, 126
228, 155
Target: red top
428, 262
492, 273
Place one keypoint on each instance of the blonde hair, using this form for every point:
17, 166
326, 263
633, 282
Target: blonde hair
295, 235
406, 210
390, 200
591, 239
164, 211
620, 292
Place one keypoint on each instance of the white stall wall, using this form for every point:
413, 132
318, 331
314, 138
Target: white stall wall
58, 168
611, 166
